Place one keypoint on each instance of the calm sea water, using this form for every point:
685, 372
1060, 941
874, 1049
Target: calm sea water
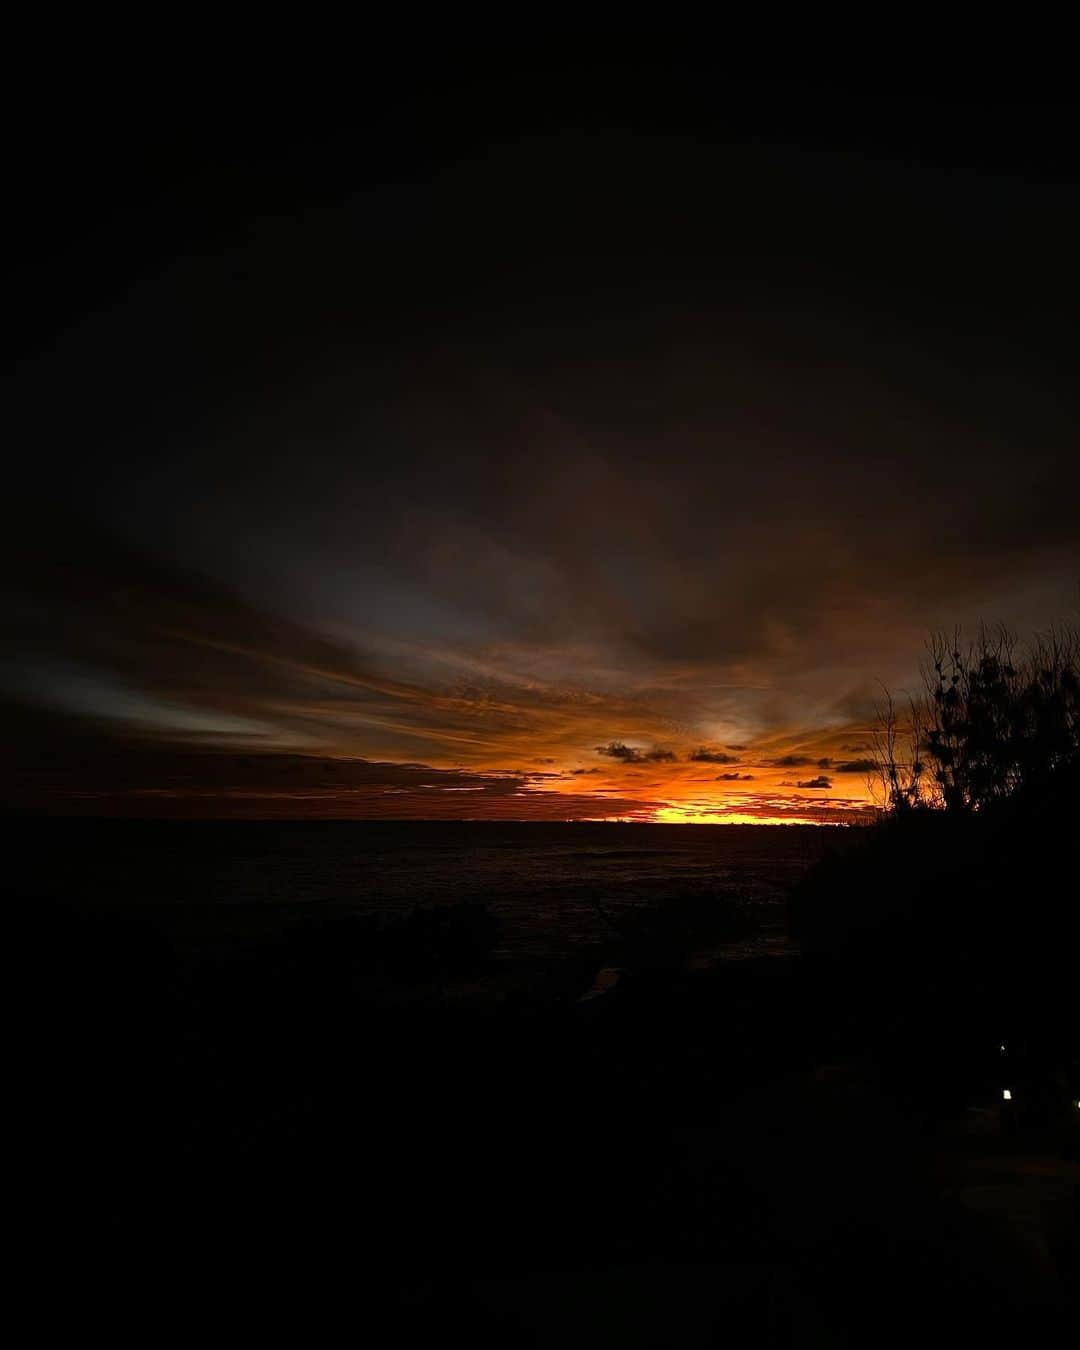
554, 886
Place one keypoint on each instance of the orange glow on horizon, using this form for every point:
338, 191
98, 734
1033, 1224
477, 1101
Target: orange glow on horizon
677, 815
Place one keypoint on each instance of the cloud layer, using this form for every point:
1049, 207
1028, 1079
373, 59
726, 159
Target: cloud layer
598, 474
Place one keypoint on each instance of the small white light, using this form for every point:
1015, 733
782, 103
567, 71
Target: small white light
1002, 1047
1007, 1095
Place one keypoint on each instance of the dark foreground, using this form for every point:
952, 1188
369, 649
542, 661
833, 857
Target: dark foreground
357, 1122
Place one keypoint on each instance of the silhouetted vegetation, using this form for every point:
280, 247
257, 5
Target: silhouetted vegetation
995, 718
951, 927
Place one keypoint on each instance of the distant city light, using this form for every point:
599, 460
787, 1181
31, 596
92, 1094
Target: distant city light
1007, 1095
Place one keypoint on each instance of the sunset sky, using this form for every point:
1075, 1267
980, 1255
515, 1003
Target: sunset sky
526, 449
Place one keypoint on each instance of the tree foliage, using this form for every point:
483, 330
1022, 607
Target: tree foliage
996, 717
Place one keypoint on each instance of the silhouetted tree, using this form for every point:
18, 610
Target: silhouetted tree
898, 750
996, 718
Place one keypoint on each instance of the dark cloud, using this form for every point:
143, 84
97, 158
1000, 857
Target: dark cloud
734, 777
629, 755
792, 761
713, 757
617, 750
69, 767
855, 766
820, 782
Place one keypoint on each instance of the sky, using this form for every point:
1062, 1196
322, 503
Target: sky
545, 444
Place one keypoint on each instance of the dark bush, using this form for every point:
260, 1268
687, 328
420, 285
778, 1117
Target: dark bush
952, 925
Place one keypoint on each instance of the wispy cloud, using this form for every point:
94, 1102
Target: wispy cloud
171, 693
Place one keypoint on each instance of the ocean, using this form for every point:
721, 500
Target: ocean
554, 888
